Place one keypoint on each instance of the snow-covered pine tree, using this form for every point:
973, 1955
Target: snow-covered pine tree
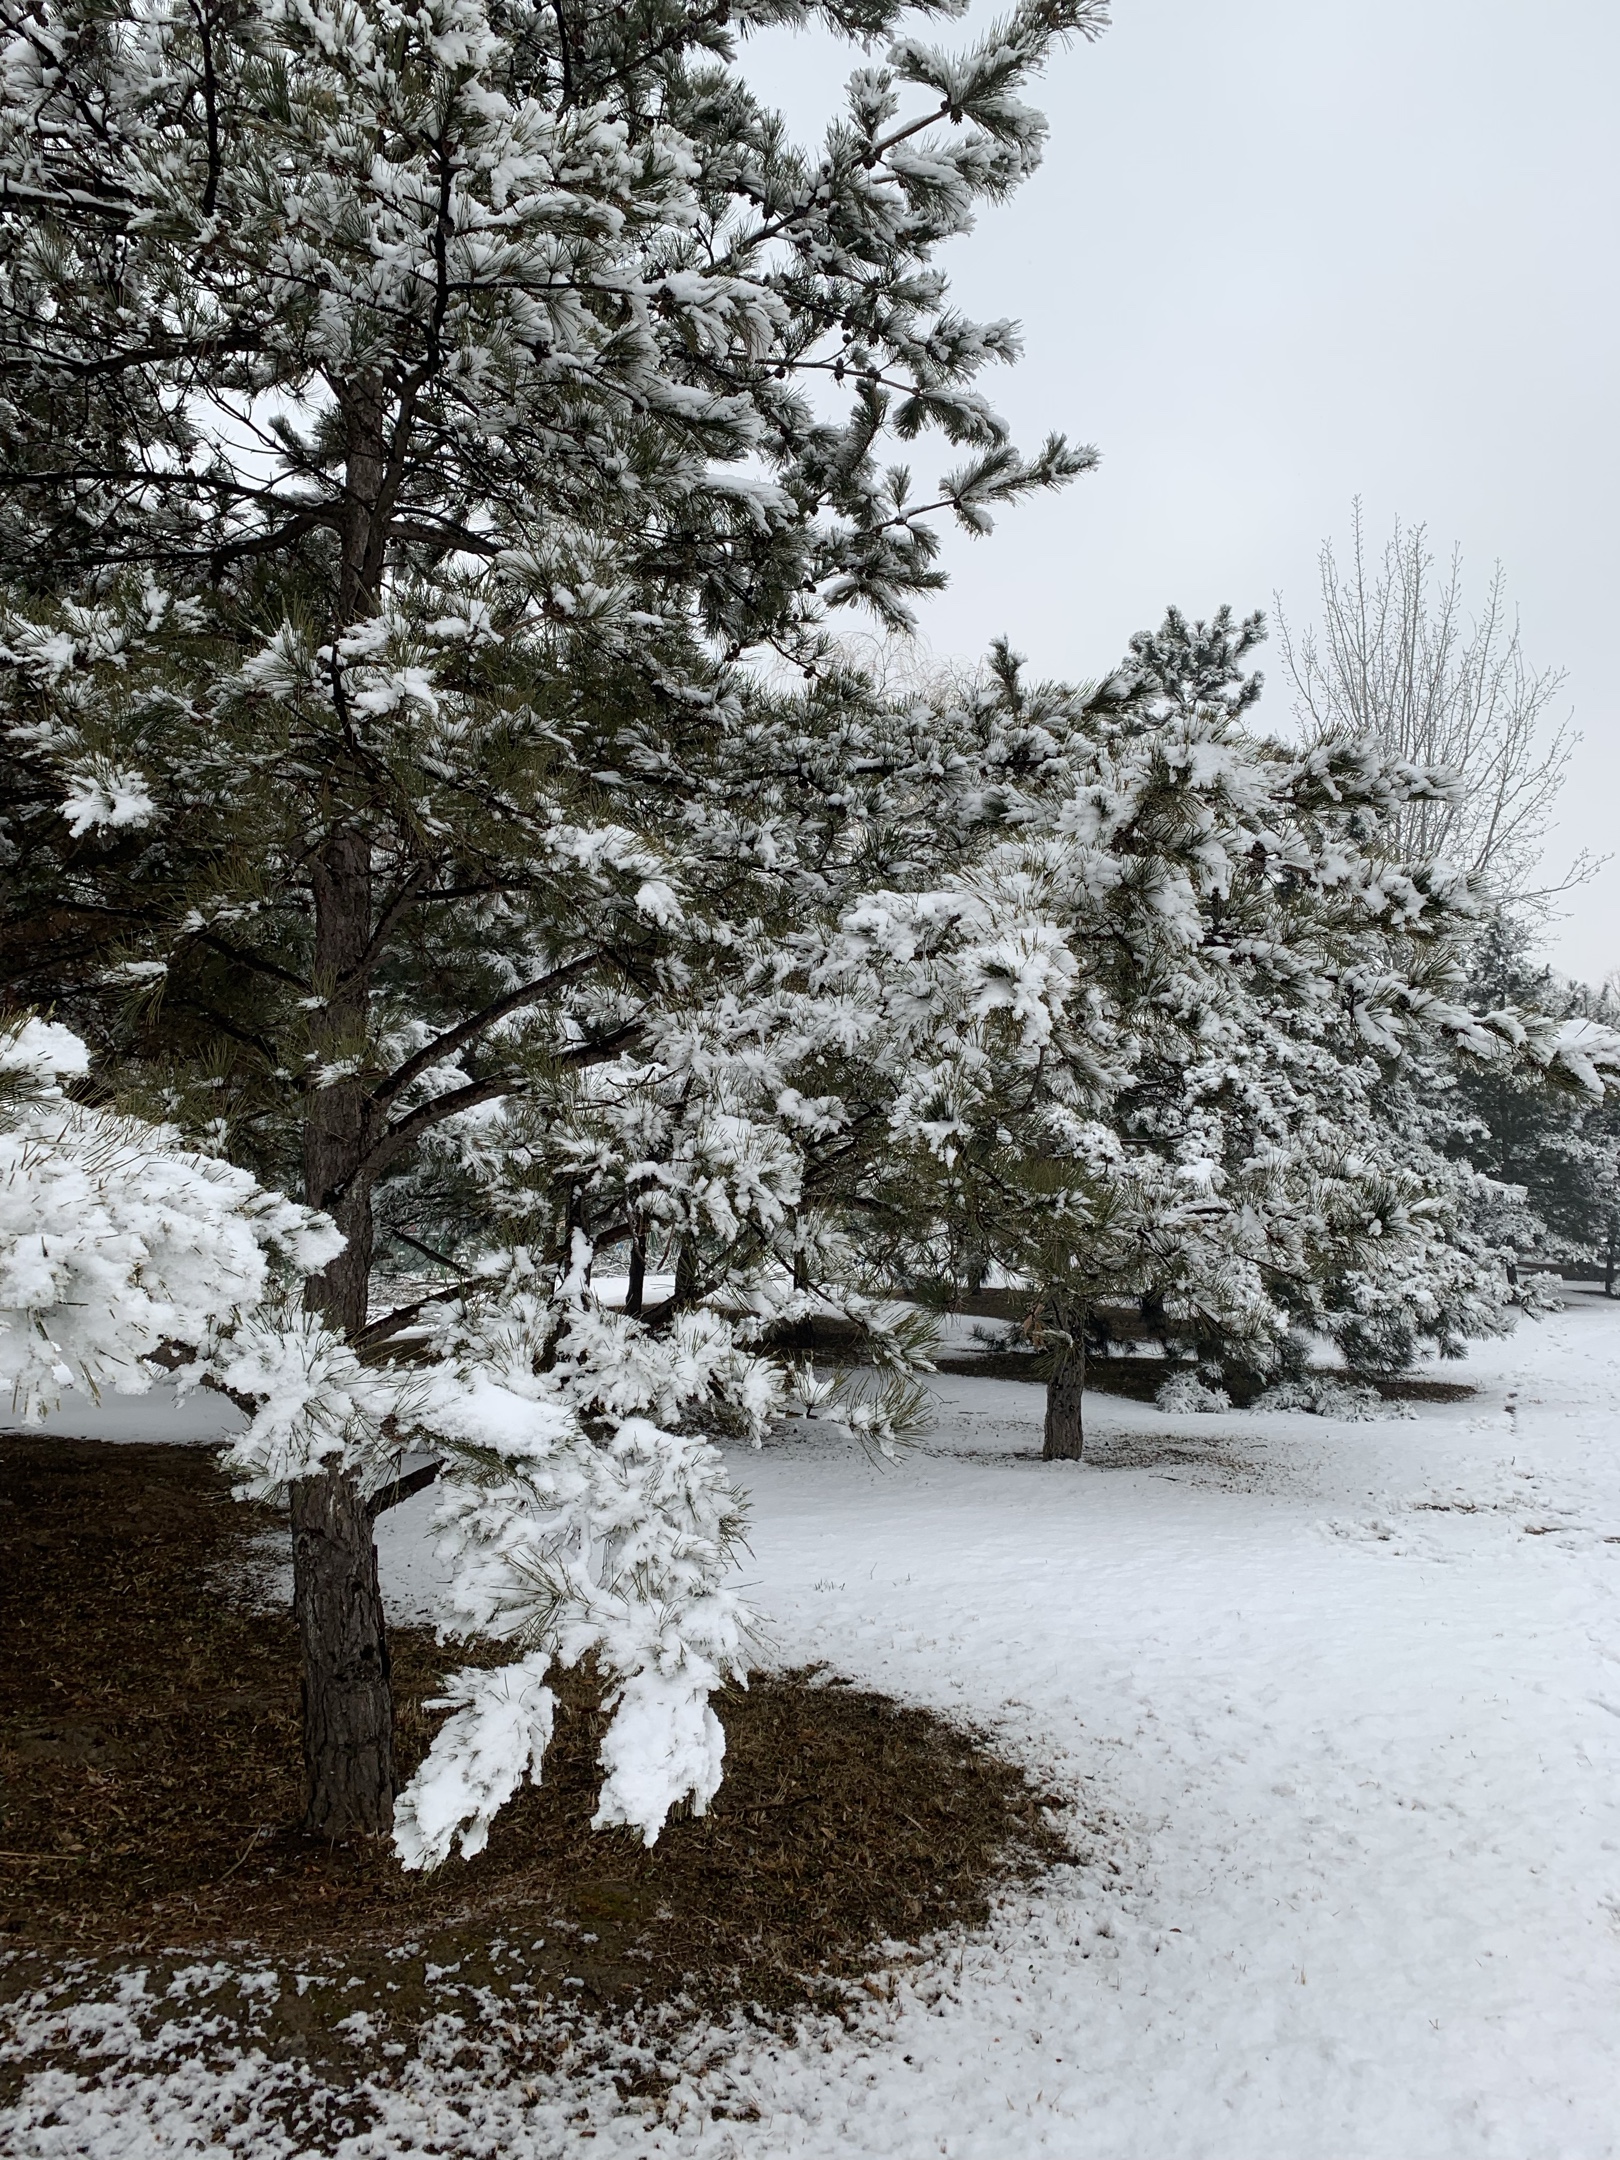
1147, 1030
409, 417
1556, 1151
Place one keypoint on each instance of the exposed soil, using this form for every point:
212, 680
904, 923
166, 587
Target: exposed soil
150, 1773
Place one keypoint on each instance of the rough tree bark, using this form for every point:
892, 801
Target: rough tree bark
348, 1704
337, 1118
347, 1700
1065, 1439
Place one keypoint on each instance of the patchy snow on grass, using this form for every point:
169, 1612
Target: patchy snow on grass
1338, 1705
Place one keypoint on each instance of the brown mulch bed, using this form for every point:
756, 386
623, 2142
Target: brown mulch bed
1141, 1378
150, 1772
1415, 1388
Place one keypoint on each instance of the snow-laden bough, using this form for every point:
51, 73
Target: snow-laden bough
579, 1518
579, 1521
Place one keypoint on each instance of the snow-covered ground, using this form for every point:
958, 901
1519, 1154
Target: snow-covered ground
1339, 1706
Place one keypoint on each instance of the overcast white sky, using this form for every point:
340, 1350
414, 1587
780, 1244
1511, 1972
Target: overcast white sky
1284, 252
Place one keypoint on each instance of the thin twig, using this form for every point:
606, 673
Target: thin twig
246, 1849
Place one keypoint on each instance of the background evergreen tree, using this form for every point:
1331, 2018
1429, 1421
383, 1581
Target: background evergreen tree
1563, 1151
1160, 1031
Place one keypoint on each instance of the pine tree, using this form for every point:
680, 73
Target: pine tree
410, 419
1151, 1027
1556, 1147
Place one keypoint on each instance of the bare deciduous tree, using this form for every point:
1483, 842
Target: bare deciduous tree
1398, 657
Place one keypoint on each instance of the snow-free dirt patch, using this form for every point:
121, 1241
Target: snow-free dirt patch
155, 1896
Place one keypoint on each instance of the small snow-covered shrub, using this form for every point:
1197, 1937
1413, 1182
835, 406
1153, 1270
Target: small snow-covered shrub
1324, 1397
1185, 1393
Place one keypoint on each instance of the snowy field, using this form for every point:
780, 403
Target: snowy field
1339, 1708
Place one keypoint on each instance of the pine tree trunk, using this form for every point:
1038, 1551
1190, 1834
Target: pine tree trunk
801, 1335
348, 1706
1065, 1439
337, 1118
1153, 1320
635, 1289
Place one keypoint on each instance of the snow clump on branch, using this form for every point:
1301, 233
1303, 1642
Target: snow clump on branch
583, 1517
117, 1241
